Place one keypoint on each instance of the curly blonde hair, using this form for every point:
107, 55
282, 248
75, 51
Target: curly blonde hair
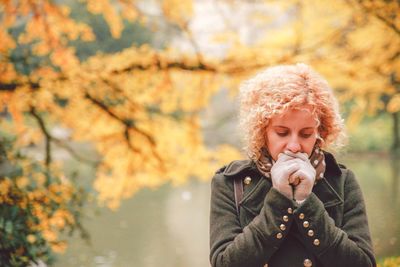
279, 88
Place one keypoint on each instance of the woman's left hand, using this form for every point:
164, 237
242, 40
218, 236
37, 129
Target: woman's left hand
305, 176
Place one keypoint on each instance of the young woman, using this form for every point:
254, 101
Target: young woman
291, 203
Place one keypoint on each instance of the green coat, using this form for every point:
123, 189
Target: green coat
329, 229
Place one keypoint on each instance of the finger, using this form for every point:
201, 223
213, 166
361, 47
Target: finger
282, 157
302, 156
294, 180
300, 162
304, 164
304, 175
290, 169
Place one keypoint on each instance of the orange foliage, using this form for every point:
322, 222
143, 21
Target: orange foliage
140, 107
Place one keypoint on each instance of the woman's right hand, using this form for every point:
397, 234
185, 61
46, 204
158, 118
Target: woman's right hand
280, 173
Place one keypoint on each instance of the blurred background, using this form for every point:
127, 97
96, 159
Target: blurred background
115, 114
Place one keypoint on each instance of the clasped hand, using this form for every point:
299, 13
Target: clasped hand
293, 175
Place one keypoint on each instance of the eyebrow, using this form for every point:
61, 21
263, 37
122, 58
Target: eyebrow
284, 127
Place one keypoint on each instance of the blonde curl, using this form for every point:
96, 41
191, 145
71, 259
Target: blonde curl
279, 88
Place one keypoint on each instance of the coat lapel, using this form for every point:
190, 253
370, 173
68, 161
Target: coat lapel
253, 200
324, 190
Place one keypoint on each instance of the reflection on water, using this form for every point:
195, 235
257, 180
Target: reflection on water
379, 178
169, 226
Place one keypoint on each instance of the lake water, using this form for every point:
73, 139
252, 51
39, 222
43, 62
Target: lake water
169, 226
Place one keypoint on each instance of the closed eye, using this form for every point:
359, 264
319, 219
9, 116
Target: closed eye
306, 135
282, 134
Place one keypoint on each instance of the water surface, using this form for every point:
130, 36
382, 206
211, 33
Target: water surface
169, 226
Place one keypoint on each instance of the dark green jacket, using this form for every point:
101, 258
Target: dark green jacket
274, 231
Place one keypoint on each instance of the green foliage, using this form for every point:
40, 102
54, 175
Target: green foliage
15, 248
132, 34
372, 134
36, 205
390, 262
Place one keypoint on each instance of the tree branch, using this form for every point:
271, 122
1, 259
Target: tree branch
73, 153
45, 133
49, 138
170, 65
388, 23
384, 19
128, 123
13, 86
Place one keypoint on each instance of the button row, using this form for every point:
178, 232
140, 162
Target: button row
282, 226
310, 232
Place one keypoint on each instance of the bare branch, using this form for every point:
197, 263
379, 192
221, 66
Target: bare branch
45, 133
73, 153
196, 47
49, 138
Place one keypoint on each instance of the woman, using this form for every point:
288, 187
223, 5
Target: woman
295, 206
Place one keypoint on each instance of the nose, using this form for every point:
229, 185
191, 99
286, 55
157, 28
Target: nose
293, 145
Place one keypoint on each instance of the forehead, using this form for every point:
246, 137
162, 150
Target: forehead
300, 117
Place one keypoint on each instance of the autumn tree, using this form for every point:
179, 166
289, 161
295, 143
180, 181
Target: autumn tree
139, 105
355, 44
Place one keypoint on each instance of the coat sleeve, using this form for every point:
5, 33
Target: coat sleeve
232, 246
349, 245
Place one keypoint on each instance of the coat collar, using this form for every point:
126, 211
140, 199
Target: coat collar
240, 167
323, 189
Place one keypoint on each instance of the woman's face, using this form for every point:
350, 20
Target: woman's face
294, 130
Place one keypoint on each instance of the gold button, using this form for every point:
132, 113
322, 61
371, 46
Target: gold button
307, 263
316, 242
247, 180
306, 224
285, 218
310, 233
301, 216
279, 235
282, 227
290, 210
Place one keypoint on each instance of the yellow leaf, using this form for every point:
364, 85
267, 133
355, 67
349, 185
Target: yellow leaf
394, 104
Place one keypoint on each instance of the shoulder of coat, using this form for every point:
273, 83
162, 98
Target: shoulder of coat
236, 167
342, 166
221, 169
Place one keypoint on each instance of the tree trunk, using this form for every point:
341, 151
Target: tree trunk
396, 137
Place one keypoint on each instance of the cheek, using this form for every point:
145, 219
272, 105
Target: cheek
308, 146
275, 146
